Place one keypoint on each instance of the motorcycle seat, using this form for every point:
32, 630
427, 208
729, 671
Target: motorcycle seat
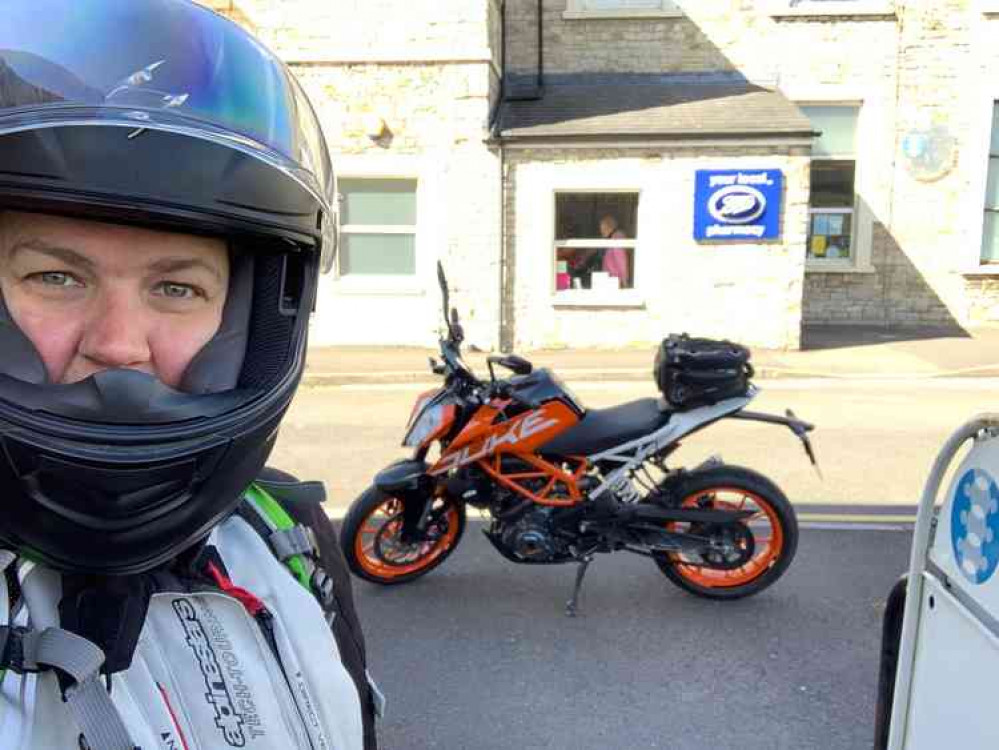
601, 429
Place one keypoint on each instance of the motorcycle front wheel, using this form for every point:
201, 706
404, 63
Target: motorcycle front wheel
371, 538
746, 557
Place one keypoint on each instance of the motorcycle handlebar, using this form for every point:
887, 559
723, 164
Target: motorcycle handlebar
455, 370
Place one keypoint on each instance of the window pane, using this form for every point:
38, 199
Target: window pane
387, 202
992, 186
994, 148
829, 235
601, 269
838, 125
990, 239
393, 254
832, 184
593, 216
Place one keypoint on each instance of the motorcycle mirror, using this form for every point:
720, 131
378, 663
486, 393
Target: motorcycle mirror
517, 365
457, 332
442, 281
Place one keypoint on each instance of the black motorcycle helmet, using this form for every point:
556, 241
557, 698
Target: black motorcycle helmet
161, 114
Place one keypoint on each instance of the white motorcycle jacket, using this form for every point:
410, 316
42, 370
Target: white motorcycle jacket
251, 663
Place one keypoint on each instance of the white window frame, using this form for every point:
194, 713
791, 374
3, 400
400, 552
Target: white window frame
365, 168
577, 10
407, 229
593, 297
793, 9
862, 230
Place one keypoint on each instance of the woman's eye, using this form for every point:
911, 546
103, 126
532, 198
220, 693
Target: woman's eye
177, 291
58, 278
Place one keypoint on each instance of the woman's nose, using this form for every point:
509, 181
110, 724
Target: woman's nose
115, 334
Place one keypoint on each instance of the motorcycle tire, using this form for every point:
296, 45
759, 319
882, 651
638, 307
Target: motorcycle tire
370, 540
770, 552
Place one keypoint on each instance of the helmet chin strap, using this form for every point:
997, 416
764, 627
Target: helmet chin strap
214, 369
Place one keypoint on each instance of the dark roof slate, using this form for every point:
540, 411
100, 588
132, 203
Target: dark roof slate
630, 110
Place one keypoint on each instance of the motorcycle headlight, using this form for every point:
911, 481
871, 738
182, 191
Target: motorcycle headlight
427, 424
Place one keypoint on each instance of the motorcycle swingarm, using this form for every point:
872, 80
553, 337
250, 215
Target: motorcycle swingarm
799, 427
653, 538
659, 513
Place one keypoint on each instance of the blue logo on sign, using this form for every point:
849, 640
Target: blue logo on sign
737, 204
974, 525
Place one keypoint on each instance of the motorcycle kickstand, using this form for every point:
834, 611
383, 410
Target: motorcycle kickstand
571, 606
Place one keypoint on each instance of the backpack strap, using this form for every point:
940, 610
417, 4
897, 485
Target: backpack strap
77, 664
292, 543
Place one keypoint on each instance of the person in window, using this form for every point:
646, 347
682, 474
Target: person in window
615, 259
582, 263
158, 265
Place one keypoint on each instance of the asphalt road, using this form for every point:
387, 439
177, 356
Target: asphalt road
479, 655
875, 440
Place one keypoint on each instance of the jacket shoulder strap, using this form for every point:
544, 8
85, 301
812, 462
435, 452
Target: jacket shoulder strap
301, 535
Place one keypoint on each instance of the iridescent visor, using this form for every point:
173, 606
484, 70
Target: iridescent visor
161, 64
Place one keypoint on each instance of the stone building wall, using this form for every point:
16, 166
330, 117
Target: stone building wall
912, 65
428, 71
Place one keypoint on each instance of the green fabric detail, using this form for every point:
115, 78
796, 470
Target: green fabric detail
281, 520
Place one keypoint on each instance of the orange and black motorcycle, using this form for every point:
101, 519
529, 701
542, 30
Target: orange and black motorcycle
561, 482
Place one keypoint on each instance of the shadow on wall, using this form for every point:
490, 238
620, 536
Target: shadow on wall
895, 302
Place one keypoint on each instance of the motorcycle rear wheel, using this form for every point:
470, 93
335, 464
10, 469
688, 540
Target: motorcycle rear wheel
370, 538
770, 545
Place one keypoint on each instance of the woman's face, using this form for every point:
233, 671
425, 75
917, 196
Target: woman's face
93, 296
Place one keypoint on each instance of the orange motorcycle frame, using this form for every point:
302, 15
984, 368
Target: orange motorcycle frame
489, 437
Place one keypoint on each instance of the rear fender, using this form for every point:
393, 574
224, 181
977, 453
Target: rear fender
799, 427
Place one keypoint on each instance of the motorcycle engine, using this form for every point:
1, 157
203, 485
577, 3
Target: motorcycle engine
531, 538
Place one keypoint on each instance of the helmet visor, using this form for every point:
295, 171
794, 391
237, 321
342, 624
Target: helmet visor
160, 65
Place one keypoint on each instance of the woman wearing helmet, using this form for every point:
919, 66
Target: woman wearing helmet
166, 207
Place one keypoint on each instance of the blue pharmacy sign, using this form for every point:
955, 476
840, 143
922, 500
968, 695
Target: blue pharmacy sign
737, 204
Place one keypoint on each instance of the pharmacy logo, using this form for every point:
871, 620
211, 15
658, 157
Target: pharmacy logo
737, 204
974, 525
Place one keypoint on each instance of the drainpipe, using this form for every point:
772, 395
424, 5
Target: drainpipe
507, 256
505, 271
539, 81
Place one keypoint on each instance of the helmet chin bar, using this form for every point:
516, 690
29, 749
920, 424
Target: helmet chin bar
120, 397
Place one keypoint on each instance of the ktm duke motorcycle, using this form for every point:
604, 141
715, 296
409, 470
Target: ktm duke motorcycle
561, 482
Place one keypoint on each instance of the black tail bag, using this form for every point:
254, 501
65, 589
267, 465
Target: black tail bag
695, 371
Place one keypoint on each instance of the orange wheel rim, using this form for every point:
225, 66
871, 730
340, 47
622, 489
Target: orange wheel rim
768, 537
381, 553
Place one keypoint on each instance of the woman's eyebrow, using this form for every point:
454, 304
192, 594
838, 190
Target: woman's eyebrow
63, 254
174, 265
